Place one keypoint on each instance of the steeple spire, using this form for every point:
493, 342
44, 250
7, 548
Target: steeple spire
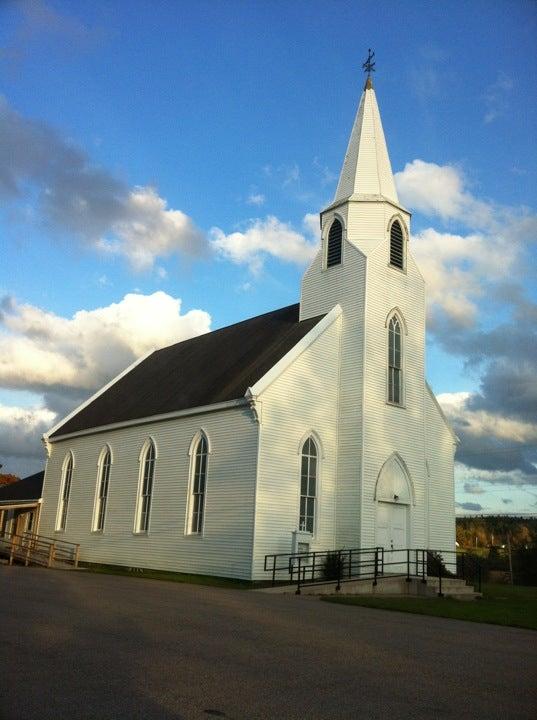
366, 169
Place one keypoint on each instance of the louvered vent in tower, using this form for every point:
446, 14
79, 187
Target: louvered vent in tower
396, 245
335, 236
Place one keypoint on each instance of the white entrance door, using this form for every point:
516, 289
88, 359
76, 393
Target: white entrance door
392, 535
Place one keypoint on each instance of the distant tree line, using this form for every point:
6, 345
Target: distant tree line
504, 543
496, 530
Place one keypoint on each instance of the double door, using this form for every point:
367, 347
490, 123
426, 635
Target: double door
392, 535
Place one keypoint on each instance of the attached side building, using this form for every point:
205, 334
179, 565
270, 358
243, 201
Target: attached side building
20, 505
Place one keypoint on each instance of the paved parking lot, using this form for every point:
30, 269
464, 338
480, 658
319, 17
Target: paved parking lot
79, 645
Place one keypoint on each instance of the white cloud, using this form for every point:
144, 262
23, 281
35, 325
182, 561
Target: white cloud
496, 97
483, 424
326, 175
441, 190
21, 430
40, 350
73, 198
312, 225
151, 230
162, 273
473, 488
506, 479
265, 237
291, 175
256, 199
458, 269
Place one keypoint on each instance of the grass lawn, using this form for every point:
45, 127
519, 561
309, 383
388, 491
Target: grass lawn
500, 605
149, 574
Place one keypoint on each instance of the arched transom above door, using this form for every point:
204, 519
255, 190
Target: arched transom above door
394, 483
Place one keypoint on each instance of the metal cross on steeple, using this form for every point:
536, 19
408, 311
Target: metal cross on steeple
369, 65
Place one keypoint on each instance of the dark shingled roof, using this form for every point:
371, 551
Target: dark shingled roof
29, 488
204, 370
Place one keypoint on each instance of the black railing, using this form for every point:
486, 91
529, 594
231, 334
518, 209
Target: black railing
455, 564
323, 567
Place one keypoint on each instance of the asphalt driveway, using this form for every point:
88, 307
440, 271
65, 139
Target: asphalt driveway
80, 646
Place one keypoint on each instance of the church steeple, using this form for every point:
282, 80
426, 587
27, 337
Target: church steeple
366, 169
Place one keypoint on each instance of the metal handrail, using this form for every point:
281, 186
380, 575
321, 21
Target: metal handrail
304, 569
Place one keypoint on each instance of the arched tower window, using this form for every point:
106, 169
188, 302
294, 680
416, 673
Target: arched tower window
65, 492
147, 470
308, 486
198, 485
396, 245
395, 362
102, 489
333, 249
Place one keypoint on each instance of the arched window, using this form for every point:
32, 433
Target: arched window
308, 486
395, 362
103, 478
198, 485
63, 505
146, 487
333, 249
396, 245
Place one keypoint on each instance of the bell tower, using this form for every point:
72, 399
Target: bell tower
364, 264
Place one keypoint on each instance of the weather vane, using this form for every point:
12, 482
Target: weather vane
369, 65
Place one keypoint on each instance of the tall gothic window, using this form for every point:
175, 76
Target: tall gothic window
198, 484
395, 366
396, 245
65, 493
308, 486
333, 249
146, 487
102, 489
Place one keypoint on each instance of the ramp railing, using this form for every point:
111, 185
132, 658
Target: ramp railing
324, 567
32, 549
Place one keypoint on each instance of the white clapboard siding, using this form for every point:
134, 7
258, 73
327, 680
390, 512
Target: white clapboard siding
441, 446
388, 428
370, 430
301, 401
226, 545
321, 290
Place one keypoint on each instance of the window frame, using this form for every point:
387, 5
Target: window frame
145, 462
310, 437
100, 505
394, 317
200, 437
68, 466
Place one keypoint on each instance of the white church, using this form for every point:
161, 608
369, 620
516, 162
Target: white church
313, 423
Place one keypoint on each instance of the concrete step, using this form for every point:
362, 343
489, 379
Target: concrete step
386, 587
449, 584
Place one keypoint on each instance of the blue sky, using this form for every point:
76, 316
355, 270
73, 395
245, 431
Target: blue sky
234, 112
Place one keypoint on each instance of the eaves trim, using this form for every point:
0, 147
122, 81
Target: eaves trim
228, 405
